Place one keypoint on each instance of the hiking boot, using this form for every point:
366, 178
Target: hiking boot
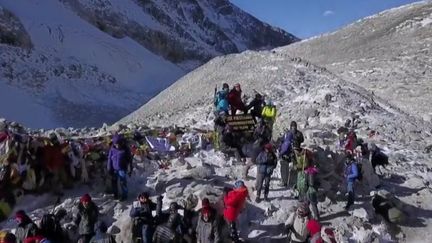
257, 200
266, 199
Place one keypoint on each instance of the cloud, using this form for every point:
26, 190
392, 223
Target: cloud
328, 13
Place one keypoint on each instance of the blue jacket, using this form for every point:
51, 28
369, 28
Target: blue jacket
266, 162
221, 101
286, 146
119, 159
351, 172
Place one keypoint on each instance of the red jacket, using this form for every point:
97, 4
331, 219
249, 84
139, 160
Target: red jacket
234, 202
54, 158
351, 141
235, 100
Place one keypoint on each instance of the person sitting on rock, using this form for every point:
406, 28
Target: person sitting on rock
26, 227
389, 207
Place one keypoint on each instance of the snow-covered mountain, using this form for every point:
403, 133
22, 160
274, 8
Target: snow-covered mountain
81, 63
389, 53
320, 99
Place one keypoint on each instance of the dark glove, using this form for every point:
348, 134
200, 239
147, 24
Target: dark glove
159, 198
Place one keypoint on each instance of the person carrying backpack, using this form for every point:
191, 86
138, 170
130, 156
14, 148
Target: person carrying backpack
142, 218
101, 234
292, 139
312, 189
351, 175
266, 162
26, 227
269, 112
221, 100
297, 224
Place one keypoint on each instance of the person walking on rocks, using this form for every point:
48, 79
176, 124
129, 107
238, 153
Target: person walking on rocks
234, 202
351, 174
293, 138
86, 218
266, 162
119, 165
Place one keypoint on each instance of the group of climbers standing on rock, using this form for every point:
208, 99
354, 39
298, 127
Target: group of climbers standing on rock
299, 167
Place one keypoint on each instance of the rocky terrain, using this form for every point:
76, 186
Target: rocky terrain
388, 53
317, 94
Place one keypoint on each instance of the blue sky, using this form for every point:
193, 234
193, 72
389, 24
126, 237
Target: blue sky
307, 18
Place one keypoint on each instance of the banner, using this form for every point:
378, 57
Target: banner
241, 123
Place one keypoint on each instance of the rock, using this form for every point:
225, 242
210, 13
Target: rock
361, 213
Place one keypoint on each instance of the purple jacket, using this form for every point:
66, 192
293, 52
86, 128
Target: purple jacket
119, 159
285, 148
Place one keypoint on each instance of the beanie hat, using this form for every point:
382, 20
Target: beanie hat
85, 198
239, 184
206, 211
225, 85
20, 215
117, 139
293, 124
237, 85
268, 146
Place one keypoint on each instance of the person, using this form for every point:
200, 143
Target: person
312, 188
389, 207
221, 100
314, 231
351, 174
267, 162
39, 238
269, 112
142, 218
370, 180
303, 159
220, 125
119, 164
6, 237
86, 218
293, 138
101, 235
26, 227
172, 228
256, 105
297, 224
250, 152
235, 100
377, 157
207, 229
262, 133
51, 228
234, 202
54, 157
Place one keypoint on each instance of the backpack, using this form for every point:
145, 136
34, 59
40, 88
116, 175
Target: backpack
360, 171
49, 225
301, 182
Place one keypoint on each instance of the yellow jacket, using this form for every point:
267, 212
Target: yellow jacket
269, 113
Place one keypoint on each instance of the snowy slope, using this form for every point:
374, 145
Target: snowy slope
85, 74
388, 53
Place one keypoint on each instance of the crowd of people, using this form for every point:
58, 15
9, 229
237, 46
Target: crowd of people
33, 164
